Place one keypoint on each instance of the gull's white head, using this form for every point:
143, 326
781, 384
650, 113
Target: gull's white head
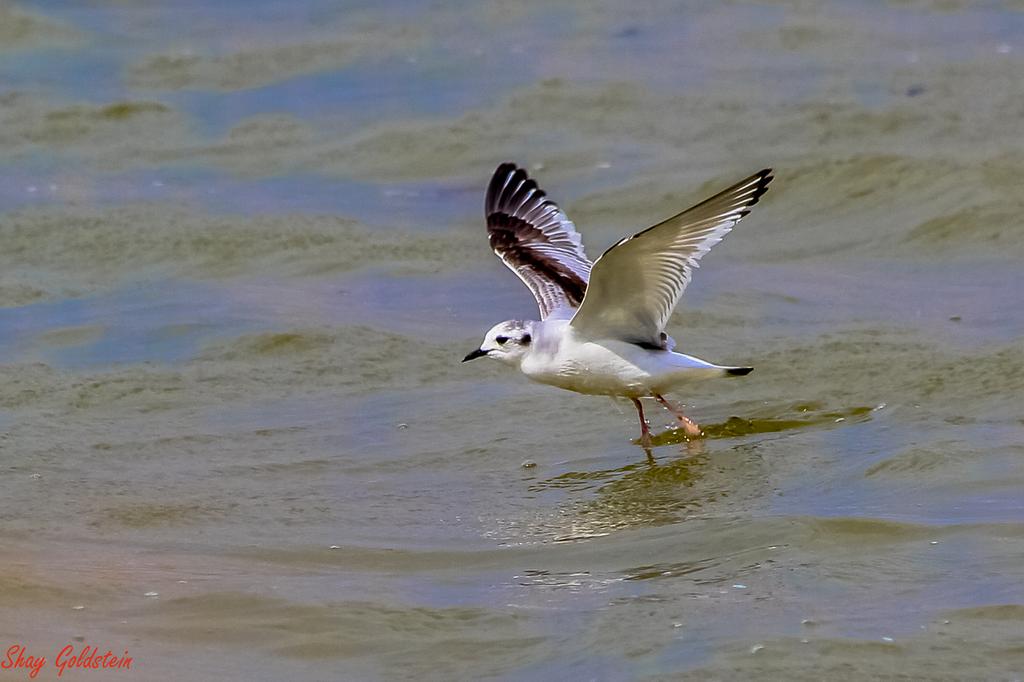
507, 341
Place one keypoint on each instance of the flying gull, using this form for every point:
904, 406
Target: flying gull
602, 324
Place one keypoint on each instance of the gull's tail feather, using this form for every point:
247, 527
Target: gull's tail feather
672, 369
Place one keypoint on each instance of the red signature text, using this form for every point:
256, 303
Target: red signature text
68, 658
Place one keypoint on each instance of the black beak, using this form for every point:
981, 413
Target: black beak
474, 355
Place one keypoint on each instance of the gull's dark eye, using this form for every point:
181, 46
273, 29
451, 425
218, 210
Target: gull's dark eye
502, 340
526, 339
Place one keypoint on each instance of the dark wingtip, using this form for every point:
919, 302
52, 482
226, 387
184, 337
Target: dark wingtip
764, 178
739, 371
493, 198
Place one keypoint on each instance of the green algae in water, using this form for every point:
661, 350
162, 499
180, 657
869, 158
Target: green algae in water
735, 427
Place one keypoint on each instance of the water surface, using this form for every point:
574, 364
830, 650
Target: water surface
243, 256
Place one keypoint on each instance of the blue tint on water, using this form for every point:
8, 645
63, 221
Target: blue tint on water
166, 322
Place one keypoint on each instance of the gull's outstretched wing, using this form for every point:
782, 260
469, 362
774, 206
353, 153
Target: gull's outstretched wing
638, 281
535, 239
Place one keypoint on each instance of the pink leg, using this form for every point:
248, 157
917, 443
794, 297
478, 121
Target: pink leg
690, 427
645, 433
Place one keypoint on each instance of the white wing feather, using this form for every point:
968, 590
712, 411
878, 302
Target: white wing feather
636, 284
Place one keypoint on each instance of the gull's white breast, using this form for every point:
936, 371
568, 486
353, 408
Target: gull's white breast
560, 357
